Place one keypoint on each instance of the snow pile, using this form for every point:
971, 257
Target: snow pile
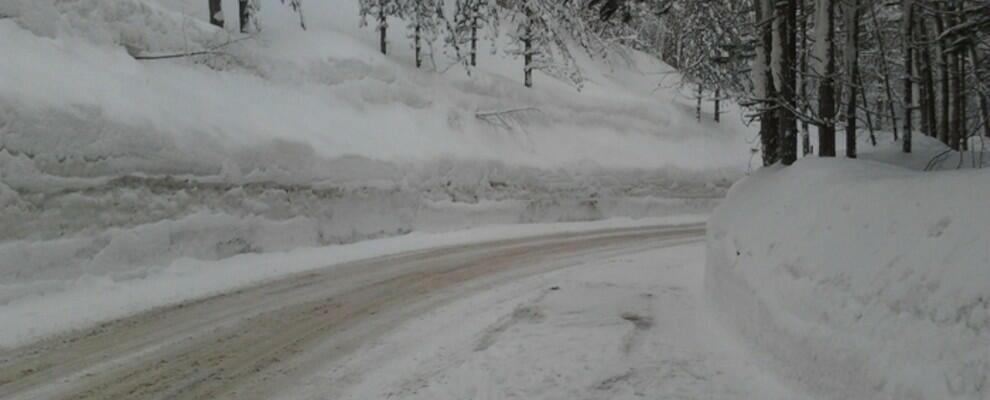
860, 279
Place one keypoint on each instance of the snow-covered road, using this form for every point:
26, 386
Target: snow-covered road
606, 314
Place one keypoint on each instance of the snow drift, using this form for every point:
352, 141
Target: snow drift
859, 279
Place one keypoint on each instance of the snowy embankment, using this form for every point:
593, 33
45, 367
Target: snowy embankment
860, 279
114, 169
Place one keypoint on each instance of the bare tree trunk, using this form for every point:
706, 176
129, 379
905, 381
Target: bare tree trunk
852, 66
956, 81
474, 38
878, 33
962, 92
528, 48
718, 104
907, 7
945, 83
382, 28
929, 120
974, 57
787, 29
700, 97
216, 12
769, 125
826, 87
866, 108
961, 101
417, 38
244, 12
805, 128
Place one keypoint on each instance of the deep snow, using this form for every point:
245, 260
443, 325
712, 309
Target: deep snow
860, 279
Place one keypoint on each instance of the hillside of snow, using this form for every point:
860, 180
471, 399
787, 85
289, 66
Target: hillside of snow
861, 279
114, 168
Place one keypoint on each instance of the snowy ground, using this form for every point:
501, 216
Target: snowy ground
861, 278
627, 326
593, 314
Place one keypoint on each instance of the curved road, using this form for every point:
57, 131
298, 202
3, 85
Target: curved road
253, 342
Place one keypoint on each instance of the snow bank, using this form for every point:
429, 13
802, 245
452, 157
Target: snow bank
860, 279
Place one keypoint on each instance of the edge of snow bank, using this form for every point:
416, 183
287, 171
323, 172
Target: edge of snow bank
859, 279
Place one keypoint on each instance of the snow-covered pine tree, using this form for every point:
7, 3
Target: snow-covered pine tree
381, 10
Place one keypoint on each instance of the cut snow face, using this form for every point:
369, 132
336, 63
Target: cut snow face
114, 169
860, 279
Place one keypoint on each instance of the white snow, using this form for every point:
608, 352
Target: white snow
860, 279
626, 326
115, 170
45, 307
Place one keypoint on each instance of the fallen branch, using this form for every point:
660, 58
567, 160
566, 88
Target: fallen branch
498, 118
212, 50
486, 114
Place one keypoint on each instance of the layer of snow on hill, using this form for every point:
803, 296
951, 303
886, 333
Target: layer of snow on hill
860, 279
115, 169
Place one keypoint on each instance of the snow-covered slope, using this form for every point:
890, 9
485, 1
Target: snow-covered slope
860, 279
115, 168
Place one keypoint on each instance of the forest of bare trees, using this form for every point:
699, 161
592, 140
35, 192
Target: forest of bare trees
852, 66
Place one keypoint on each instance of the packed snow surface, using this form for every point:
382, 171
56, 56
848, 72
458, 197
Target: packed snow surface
609, 326
860, 279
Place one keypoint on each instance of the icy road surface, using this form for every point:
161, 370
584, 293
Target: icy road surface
607, 314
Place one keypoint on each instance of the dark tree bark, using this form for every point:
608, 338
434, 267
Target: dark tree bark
945, 83
417, 38
803, 35
826, 91
718, 104
528, 48
852, 65
700, 98
926, 88
961, 106
907, 7
474, 37
955, 85
244, 11
382, 28
216, 12
975, 59
866, 109
961, 50
769, 126
787, 29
